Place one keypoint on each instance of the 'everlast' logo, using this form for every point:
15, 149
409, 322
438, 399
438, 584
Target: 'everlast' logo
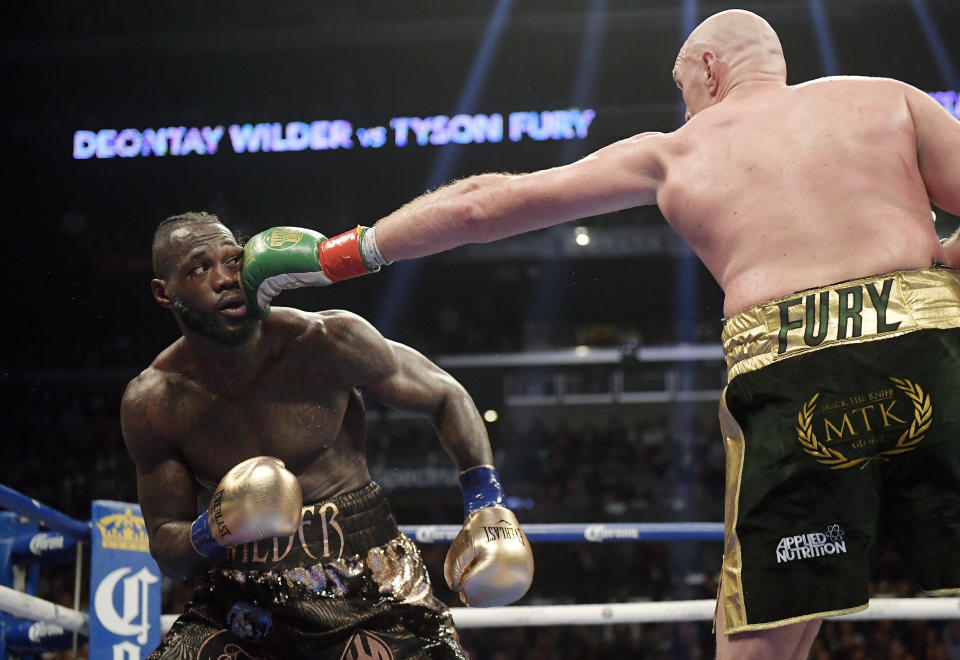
503, 530
222, 528
842, 308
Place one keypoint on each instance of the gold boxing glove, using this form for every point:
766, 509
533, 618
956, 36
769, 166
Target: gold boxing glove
489, 562
256, 499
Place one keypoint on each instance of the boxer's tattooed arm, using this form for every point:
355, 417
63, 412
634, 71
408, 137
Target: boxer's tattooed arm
399, 377
419, 385
165, 486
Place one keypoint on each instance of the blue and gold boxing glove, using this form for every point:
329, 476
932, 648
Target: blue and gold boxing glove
256, 499
489, 562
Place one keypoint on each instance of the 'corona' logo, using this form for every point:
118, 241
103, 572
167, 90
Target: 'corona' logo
124, 531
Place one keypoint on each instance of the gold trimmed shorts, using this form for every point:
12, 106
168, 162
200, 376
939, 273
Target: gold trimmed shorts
348, 584
841, 421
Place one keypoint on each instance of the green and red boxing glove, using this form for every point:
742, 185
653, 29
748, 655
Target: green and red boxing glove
284, 258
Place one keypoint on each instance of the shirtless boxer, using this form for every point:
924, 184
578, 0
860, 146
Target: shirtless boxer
245, 420
810, 205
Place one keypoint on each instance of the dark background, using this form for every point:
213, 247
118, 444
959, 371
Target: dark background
80, 321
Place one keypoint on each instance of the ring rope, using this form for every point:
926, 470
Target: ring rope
42, 514
30, 607
675, 611
592, 532
37, 609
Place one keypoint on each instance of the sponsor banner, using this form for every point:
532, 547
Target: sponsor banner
34, 637
124, 584
332, 134
44, 546
431, 533
600, 533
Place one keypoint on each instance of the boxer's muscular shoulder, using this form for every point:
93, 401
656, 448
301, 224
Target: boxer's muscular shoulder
145, 413
346, 345
335, 346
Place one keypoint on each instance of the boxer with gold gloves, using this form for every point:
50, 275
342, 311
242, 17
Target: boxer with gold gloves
486, 568
254, 419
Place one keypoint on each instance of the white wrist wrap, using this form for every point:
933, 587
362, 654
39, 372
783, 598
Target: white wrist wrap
370, 251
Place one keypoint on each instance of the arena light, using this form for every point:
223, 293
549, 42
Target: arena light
490, 416
684, 316
544, 304
828, 56
949, 99
582, 236
588, 65
938, 49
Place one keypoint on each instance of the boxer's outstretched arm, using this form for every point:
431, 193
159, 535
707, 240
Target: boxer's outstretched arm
487, 207
165, 486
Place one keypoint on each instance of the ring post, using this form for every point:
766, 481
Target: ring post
124, 584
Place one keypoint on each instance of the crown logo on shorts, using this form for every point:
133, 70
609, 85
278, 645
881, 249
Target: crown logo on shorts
124, 531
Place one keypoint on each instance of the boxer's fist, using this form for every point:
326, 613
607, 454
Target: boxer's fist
489, 562
256, 499
284, 258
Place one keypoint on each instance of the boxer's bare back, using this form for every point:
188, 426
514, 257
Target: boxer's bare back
779, 188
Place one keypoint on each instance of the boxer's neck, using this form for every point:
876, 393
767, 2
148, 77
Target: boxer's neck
228, 369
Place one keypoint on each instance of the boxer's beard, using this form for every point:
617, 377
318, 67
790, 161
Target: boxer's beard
207, 325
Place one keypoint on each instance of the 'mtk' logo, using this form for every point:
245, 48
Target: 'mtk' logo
366, 646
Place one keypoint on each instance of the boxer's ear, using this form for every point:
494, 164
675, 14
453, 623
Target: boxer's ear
161, 293
711, 70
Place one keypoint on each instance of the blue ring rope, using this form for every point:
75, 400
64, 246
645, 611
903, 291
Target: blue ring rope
539, 533
40, 513
591, 532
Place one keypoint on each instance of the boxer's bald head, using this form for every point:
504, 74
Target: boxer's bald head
727, 48
164, 238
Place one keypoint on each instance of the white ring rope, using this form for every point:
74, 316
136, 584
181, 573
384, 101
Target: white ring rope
37, 609
30, 607
673, 611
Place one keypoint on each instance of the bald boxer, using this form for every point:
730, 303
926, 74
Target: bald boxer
811, 206
257, 425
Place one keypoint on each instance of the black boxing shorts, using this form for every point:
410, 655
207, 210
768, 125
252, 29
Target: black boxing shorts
841, 420
347, 585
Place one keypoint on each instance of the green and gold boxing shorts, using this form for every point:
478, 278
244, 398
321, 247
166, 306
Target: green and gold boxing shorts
841, 421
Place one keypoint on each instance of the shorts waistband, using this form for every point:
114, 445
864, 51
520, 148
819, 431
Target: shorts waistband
854, 311
345, 525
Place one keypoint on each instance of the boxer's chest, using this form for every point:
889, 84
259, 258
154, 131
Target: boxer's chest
292, 421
